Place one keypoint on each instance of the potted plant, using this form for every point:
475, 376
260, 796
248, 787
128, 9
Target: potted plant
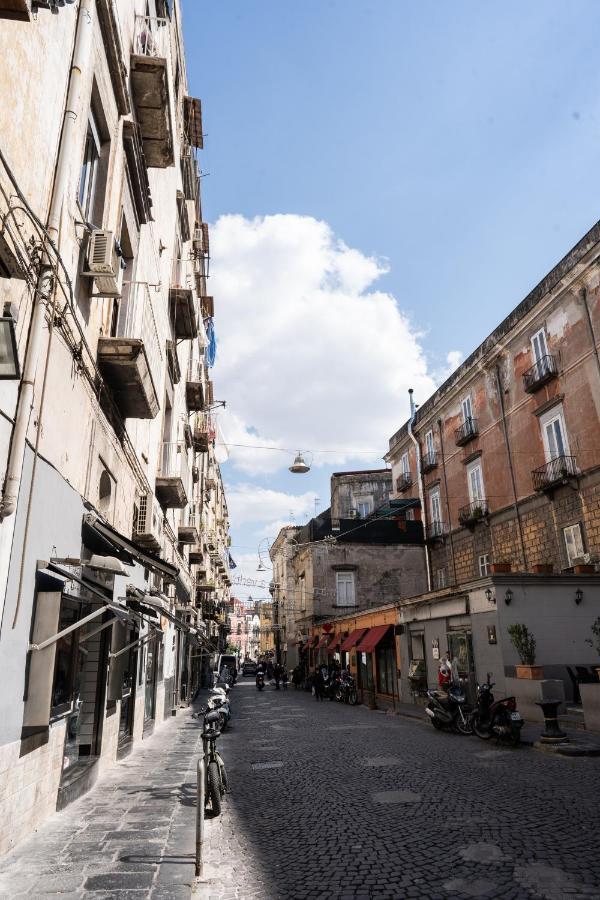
590, 693
543, 568
501, 568
524, 643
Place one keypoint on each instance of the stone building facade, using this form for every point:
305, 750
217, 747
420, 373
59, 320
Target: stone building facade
505, 460
114, 569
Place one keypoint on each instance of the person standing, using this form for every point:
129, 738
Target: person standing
318, 684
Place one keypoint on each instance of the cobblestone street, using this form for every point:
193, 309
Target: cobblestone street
327, 801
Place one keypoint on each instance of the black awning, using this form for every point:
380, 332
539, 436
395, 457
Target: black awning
96, 590
137, 553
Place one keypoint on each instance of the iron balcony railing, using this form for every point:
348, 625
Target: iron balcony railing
174, 462
150, 37
473, 512
436, 530
139, 321
467, 431
428, 461
556, 471
543, 370
404, 481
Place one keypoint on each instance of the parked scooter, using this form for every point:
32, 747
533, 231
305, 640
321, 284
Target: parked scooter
330, 685
220, 702
447, 709
216, 775
260, 680
499, 718
346, 690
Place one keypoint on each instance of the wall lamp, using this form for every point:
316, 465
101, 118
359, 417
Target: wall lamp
488, 596
508, 596
578, 596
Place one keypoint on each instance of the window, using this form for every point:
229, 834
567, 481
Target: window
405, 463
467, 409
435, 506
554, 434
89, 169
539, 345
573, 543
344, 583
410, 515
302, 594
440, 579
363, 508
429, 445
475, 482
484, 564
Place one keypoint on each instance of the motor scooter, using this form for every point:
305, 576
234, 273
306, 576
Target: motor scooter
448, 709
499, 718
220, 702
260, 681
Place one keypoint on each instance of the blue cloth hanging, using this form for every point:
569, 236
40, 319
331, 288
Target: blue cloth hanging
211, 349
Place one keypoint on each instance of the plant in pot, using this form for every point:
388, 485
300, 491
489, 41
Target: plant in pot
524, 643
590, 693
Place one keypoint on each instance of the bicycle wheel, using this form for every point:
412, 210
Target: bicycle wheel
214, 788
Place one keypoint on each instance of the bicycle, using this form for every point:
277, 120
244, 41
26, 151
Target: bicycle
216, 774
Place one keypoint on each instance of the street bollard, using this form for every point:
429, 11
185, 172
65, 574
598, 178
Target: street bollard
552, 733
200, 792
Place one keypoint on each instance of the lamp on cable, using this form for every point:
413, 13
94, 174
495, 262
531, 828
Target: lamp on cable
299, 466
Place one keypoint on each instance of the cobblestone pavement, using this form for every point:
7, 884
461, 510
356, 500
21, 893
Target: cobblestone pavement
327, 801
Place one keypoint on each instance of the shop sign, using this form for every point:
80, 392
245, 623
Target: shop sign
435, 648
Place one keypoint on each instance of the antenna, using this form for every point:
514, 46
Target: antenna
317, 504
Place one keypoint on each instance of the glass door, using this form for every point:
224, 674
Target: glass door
150, 692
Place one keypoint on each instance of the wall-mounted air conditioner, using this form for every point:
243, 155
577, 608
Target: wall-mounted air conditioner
149, 526
102, 263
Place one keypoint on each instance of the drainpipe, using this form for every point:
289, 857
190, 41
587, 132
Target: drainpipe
590, 326
413, 413
443, 453
510, 466
45, 282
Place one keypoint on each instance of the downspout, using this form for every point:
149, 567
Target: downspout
45, 282
590, 326
440, 429
510, 466
413, 413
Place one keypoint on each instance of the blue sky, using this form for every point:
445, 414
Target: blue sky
456, 143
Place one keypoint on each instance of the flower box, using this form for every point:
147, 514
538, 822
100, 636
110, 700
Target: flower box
543, 568
501, 568
532, 673
584, 569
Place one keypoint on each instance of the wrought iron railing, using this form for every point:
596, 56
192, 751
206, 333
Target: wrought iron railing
473, 512
436, 530
557, 470
404, 481
429, 461
150, 37
469, 429
541, 371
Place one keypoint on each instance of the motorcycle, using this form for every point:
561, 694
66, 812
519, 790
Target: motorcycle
346, 690
330, 685
260, 681
448, 710
216, 776
496, 717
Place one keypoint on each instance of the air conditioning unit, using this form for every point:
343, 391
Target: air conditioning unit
149, 526
102, 263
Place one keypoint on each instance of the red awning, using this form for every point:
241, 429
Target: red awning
322, 642
337, 640
353, 638
370, 640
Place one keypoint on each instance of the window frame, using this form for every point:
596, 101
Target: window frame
467, 402
429, 443
346, 578
571, 528
441, 580
471, 468
541, 331
369, 508
484, 565
556, 414
405, 463
435, 495
88, 176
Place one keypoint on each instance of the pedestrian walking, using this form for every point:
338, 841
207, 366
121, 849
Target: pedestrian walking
318, 684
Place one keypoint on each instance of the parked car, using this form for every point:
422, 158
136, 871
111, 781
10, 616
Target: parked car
249, 667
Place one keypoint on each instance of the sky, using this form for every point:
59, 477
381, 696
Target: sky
385, 180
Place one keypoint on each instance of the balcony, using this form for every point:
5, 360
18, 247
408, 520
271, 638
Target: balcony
190, 175
467, 431
473, 513
202, 433
150, 91
557, 471
184, 315
542, 371
428, 462
128, 360
196, 556
403, 482
436, 532
194, 389
173, 476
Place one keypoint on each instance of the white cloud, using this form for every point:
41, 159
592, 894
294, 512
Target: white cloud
310, 356
453, 361
269, 509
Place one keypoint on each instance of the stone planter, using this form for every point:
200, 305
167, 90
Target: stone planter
590, 699
501, 568
533, 673
543, 568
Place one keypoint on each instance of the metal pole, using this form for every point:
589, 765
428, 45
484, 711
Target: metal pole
200, 791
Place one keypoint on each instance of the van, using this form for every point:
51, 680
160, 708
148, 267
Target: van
227, 659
